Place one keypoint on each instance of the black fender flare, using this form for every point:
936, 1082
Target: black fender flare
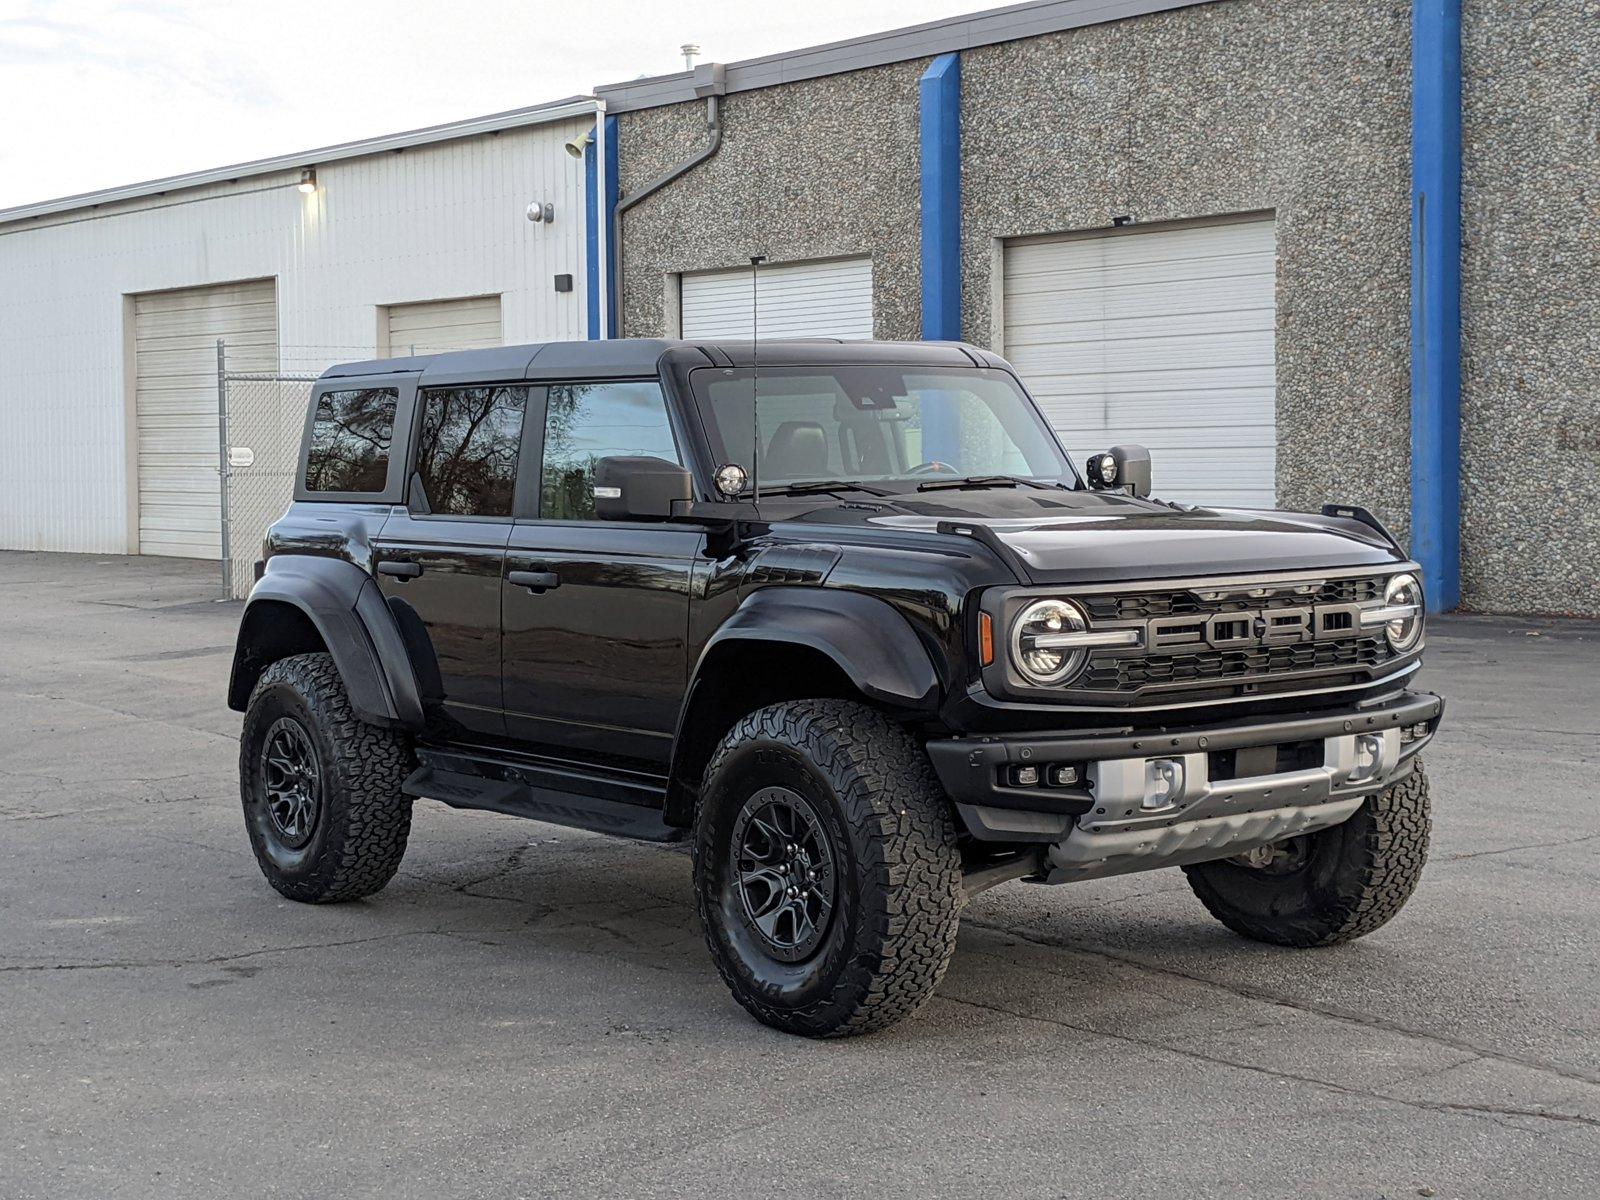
870, 641
872, 644
347, 609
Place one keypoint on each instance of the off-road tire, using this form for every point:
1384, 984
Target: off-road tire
898, 890
1355, 875
363, 818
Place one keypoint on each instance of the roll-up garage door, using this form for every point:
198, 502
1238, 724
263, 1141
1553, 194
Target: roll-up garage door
434, 326
812, 299
175, 390
1163, 337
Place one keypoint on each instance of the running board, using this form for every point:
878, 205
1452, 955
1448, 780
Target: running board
505, 788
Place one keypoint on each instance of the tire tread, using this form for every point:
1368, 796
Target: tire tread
372, 817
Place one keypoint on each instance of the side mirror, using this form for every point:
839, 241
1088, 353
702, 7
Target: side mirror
1121, 468
639, 488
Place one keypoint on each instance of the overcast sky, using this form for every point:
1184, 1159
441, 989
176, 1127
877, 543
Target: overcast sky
96, 93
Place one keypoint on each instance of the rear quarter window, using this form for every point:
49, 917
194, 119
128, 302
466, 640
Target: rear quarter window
350, 436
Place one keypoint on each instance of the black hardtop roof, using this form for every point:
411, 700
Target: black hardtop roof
643, 356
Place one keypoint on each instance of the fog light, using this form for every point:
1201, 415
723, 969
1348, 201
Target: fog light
1063, 776
1163, 782
1024, 776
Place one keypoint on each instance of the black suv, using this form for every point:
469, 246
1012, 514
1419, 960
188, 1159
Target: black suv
846, 616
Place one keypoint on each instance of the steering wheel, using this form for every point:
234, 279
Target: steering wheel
933, 467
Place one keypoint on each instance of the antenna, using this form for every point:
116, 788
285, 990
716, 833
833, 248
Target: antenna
755, 377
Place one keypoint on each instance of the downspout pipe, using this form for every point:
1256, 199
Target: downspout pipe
710, 82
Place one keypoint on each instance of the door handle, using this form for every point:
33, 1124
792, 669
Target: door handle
534, 581
400, 569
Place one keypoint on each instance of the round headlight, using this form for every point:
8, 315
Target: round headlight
1403, 591
1038, 661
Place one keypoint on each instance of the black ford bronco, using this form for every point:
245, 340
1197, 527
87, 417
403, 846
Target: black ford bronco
845, 616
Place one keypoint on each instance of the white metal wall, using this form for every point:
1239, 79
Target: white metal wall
810, 299
175, 404
433, 326
430, 222
1164, 337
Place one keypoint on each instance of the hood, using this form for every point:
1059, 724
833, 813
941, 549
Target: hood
1072, 536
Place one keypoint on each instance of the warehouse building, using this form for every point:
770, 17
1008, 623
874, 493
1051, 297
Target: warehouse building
1305, 250
1203, 225
112, 305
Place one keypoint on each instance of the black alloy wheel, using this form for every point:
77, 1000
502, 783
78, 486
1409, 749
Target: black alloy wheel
785, 872
291, 782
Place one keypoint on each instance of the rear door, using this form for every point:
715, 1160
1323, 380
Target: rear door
440, 560
596, 613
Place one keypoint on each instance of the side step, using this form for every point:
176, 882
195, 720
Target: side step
467, 781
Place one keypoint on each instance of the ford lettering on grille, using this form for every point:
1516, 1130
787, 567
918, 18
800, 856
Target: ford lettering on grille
1254, 627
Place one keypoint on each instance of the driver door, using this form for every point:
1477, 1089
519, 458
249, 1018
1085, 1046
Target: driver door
596, 613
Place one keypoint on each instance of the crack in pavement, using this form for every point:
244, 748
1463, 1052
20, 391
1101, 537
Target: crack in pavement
121, 712
1455, 858
1244, 991
1484, 1111
220, 959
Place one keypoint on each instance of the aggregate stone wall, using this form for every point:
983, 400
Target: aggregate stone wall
1530, 384
823, 168
1300, 107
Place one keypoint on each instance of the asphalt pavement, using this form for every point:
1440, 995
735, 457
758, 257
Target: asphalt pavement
530, 1011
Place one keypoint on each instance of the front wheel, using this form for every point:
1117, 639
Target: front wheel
827, 875
1330, 886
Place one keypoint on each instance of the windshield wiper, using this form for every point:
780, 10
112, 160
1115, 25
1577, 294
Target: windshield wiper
983, 481
810, 486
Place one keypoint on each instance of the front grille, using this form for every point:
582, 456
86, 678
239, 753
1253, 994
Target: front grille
1187, 651
1132, 673
1179, 602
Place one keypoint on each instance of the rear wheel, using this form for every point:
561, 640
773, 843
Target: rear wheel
321, 789
827, 874
1331, 886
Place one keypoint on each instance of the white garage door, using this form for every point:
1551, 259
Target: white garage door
1163, 337
434, 326
817, 299
175, 390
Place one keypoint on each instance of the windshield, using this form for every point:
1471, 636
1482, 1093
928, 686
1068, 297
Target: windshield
873, 423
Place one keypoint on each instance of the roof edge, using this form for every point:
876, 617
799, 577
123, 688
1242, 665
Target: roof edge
965, 32
516, 118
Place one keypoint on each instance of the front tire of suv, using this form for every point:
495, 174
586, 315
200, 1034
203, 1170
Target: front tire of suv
1331, 886
827, 874
321, 788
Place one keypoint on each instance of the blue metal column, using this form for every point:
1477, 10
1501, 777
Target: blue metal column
1436, 298
596, 209
940, 94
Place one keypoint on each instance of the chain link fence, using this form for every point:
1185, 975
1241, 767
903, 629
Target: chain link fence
262, 418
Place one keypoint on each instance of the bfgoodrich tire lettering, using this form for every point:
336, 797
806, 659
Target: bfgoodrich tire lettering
361, 820
896, 897
1346, 882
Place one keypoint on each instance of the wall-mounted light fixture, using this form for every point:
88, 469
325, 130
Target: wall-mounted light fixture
541, 212
308, 181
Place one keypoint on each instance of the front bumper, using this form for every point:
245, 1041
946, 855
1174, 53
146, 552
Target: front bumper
1174, 796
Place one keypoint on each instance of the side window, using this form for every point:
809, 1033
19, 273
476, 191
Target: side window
350, 437
467, 450
590, 421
